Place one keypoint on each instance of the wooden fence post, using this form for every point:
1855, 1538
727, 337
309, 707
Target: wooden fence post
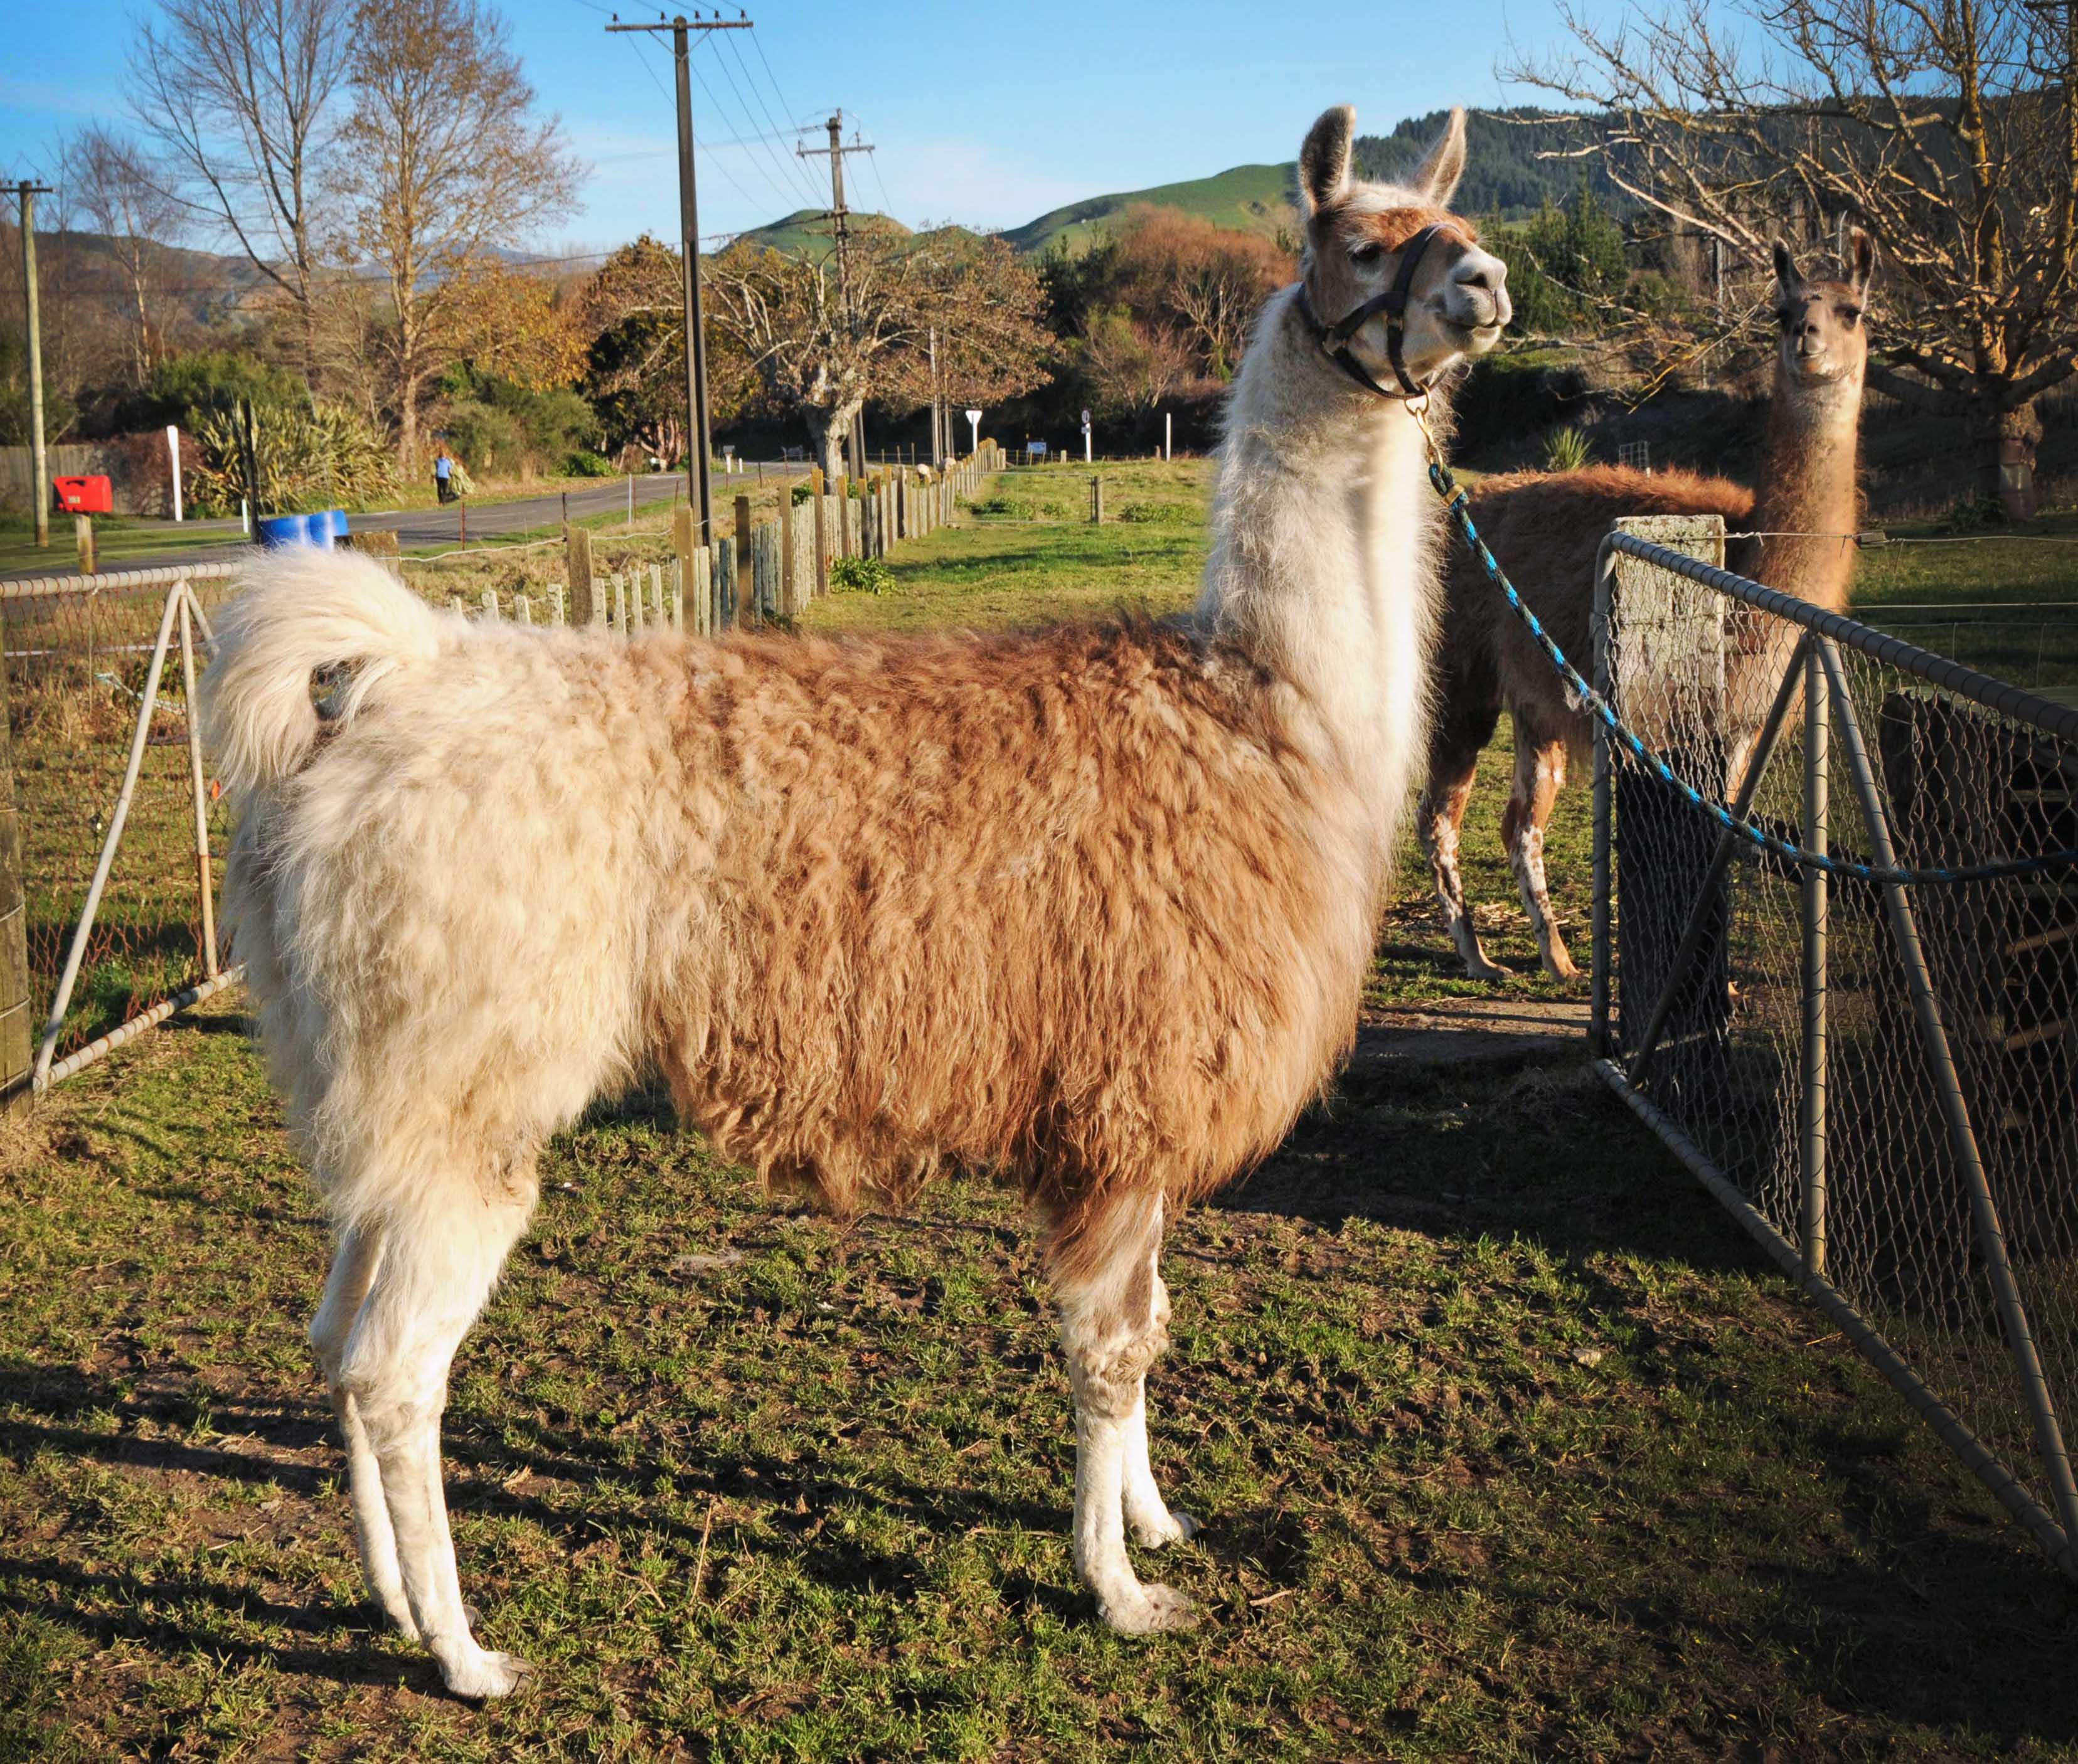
821, 585
490, 603
681, 552
523, 609
555, 605
586, 605
1096, 502
82, 533
745, 588
18, 1038
656, 596
728, 608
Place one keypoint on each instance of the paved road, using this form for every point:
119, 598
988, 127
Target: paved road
420, 528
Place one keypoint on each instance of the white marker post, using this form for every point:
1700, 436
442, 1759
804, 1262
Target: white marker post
1086, 437
974, 424
174, 452
1166, 421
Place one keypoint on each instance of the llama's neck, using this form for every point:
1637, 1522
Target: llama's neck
1323, 566
1808, 485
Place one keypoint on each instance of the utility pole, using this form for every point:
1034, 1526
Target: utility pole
841, 215
698, 438
39, 490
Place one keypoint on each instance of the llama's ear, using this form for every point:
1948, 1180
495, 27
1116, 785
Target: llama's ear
1861, 260
1437, 176
1323, 161
1786, 276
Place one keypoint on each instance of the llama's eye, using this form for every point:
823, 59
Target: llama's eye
1849, 316
1367, 254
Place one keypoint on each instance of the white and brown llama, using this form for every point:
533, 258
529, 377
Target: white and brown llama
1088, 909
1545, 529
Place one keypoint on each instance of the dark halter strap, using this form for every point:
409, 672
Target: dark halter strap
1334, 339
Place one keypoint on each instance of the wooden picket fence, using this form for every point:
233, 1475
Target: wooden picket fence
761, 572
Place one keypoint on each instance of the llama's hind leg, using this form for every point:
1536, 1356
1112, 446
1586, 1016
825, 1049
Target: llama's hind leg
1540, 773
1113, 1325
1468, 712
1440, 819
435, 1275
354, 1263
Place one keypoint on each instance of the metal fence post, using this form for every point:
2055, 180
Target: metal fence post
205, 875
1598, 1018
1955, 1109
1811, 1116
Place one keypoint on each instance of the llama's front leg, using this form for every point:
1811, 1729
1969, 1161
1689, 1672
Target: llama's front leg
1440, 819
352, 1272
1110, 1326
1540, 772
431, 1284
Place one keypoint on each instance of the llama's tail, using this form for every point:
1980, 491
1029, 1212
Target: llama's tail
302, 613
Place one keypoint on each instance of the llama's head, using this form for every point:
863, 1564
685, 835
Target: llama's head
1824, 340
1357, 233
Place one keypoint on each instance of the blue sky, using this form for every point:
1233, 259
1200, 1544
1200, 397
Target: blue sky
985, 115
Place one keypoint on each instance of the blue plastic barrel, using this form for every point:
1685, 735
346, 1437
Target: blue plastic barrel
319, 529
278, 530
337, 516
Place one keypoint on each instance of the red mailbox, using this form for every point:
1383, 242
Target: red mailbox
85, 495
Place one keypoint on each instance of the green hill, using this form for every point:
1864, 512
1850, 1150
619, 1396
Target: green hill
806, 229
1254, 199
1505, 175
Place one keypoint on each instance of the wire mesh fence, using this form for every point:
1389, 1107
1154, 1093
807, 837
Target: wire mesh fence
79, 654
1879, 1077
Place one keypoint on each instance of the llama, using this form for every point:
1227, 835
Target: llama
1087, 909
1545, 529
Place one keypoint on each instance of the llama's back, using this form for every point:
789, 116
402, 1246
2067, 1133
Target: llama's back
1544, 528
1066, 906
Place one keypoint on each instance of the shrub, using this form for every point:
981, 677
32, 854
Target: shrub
328, 457
801, 493
583, 463
1566, 450
868, 575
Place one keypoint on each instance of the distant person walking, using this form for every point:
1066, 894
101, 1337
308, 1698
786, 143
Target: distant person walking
444, 477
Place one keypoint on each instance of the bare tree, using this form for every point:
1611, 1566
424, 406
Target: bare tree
238, 95
1947, 128
439, 164
821, 351
118, 193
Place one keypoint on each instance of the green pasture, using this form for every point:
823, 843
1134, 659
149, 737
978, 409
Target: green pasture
1507, 1445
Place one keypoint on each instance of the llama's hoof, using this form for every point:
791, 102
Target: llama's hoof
1171, 1527
482, 1674
1151, 1609
1561, 967
1486, 970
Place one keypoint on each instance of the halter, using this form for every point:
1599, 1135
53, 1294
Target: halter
1334, 339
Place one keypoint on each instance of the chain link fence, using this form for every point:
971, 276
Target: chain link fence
1878, 1078
80, 653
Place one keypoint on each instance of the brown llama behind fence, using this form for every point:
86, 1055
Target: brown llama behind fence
1545, 528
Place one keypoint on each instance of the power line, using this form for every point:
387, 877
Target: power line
722, 66
801, 175
778, 190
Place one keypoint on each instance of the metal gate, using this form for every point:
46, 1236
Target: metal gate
1873, 1070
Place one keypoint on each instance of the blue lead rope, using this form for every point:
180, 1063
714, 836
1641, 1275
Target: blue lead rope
1461, 513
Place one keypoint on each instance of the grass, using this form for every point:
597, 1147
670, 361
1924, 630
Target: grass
1507, 1447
